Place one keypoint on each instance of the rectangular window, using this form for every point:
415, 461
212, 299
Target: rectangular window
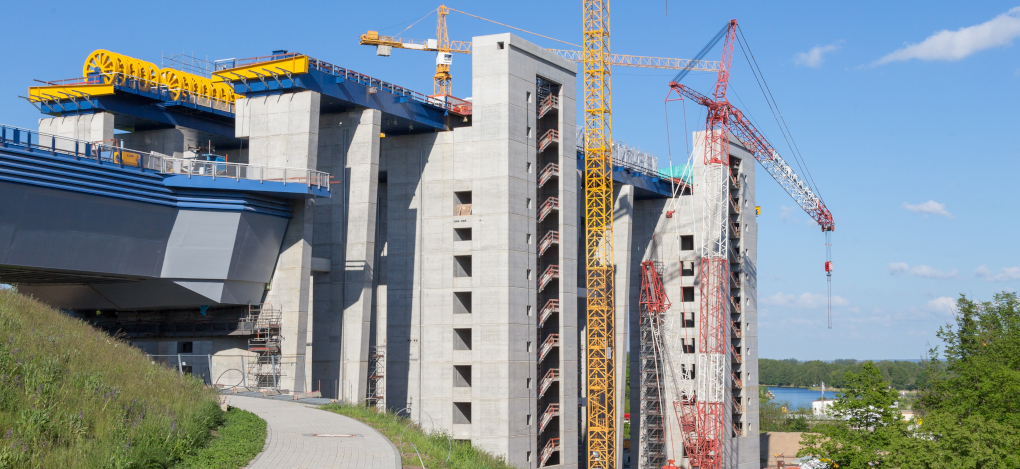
686, 268
529, 238
528, 383
528, 167
687, 243
529, 310
527, 94
528, 419
185, 347
688, 346
462, 377
462, 203
529, 456
462, 339
462, 302
462, 234
529, 346
499, 45
529, 132
687, 371
688, 294
528, 202
461, 266
529, 274
689, 321
461, 412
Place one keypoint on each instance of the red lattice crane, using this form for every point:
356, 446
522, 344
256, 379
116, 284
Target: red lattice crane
701, 417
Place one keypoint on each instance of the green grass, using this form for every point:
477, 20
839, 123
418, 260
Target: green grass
238, 441
73, 397
433, 447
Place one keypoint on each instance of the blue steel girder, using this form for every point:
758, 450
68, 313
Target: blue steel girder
139, 106
350, 93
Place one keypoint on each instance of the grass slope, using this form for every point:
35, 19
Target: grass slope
72, 397
433, 447
238, 441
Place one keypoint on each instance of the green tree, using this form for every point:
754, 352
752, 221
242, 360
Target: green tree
970, 414
863, 426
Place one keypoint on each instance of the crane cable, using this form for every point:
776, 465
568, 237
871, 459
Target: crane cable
776, 113
512, 27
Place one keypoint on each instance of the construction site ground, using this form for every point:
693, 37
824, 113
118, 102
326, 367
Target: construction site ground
301, 436
784, 444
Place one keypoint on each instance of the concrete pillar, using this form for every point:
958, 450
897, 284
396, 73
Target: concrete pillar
623, 212
283, 131
171, 142
93, 127
345, 233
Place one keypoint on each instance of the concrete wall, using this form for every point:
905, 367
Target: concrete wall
417, 271
345, 235
283, 131
93, 127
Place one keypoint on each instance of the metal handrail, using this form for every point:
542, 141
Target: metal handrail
552, 341
155, 162
551, 237
551, 306
550, 447
462, 107
550, 204
552, 375
550, 170
552, 410
551, 272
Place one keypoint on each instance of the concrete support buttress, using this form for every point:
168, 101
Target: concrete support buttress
283, 131
623, 213
345, 233
93, 127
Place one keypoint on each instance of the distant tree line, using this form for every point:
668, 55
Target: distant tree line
790, 372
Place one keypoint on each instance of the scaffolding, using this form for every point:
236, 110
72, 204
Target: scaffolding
653, 305
376, 377
264, 321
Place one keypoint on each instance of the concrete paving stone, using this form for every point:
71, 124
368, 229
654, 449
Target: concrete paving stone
291, 444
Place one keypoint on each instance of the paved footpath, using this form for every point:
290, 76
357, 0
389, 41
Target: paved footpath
291, 442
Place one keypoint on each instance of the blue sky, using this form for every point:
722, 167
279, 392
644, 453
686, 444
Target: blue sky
906, 113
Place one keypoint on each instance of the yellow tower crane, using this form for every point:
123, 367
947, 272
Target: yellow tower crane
598, 223
445, 48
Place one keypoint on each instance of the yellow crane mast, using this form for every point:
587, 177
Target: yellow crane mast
598, 222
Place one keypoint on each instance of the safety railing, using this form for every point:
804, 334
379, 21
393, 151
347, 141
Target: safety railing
454, 105
551, 273
36, 142
734, 229
547, 345
736, 354
551, 411
735, 330
552, 446
124, 82
736, 381
550, 377
550, 307
548, 138
551, 237
735, 303
735, 279
550, 204
548, 104
737, 408
550, 170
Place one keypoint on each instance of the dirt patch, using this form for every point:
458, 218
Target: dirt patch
781, 443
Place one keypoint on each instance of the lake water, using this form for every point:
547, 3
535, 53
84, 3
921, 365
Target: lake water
798, 397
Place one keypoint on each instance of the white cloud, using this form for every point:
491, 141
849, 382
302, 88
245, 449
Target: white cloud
902, 268
816, 56
930, 207
942, 304
955, 45
804, 300
1004, 274
786, 215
